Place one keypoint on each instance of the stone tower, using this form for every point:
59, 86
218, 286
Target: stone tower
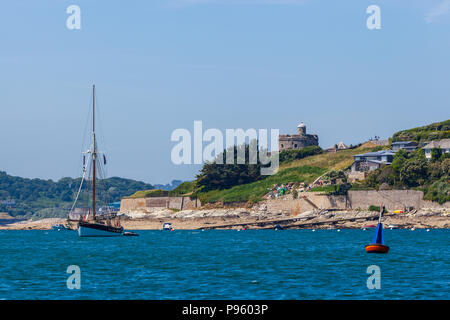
297, 141
301, 129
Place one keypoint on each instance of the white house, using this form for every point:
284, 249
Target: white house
444, 144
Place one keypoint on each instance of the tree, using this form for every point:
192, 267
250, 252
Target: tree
399, 159
436, 154
218, 175
414, 173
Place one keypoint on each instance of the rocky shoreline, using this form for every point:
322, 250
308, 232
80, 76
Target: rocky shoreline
252, 218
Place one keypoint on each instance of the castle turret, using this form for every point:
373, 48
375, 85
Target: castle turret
301, 129
297, 141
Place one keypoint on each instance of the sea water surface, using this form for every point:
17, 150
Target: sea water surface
224, 264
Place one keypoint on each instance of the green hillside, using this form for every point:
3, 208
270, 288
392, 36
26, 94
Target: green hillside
47, 198
240, 183
306, 170
434, 131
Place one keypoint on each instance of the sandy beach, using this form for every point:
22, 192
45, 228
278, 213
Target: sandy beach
238, 218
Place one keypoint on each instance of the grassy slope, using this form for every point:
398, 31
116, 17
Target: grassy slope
434, 131
330, 161
185, 189
148, 194
255, 190
303, 170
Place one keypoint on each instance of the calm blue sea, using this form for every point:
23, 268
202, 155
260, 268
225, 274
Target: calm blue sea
213, 264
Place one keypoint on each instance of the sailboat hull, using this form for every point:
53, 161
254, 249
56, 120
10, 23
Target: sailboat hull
377, 248
98, 230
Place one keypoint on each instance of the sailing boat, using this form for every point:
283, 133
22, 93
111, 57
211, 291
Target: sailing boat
377, 245
91, 225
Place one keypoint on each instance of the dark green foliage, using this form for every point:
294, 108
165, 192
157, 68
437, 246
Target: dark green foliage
436, 154
186, 187
217, 176
439, 191
150, 193
259, 188
341, 189
32, 195
335, 177
414, 172
399, 160
335, 183
374, 208
290, 155
435, 131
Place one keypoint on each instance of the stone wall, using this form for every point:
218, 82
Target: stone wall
307, 201
289, 142
391, 199
179, 203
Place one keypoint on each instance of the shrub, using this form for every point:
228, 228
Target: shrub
291, 155
439, 191
186, 187
150, 193
435, 131
218, 175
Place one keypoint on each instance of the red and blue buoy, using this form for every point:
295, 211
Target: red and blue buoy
377, 245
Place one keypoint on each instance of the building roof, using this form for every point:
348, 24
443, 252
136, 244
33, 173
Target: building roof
379, 161
342, 145
402, 142
443, 144
301, 125
338, 146
376, 154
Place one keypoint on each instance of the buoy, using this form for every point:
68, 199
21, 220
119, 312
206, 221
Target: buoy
313, 230
339, 230
377, 248
412, 229
377, 245
428, 230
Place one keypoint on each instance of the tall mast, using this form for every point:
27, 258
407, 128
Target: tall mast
94, 152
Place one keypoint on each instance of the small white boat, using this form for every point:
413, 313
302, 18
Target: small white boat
167, 226
59, 227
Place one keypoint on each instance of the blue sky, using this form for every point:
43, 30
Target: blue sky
159, 65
